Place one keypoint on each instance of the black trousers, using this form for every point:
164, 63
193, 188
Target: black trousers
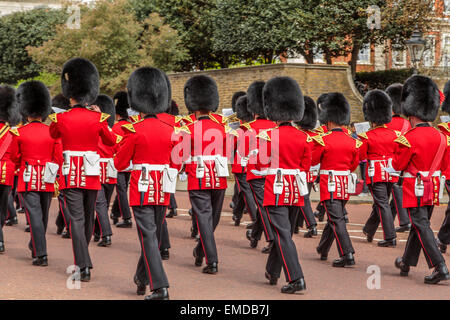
362, 169
284, 253
244, 198
11, 208
102, 224
37, 206
173, 202
121, 206
306, 212
335, 228
397, 205
150, 269
444, 231
4, 193
81, 204
207, 207
262, 223
63, 218
381, 211
421, 237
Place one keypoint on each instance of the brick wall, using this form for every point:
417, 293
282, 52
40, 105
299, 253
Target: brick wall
313, 80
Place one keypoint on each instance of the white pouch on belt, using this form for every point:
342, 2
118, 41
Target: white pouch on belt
331, 183
302, 183
144, 181
27, 173
442, 186
278, 183
352, 180
419, 188
169, 183
91, 164
200, 170
50, 172
111, 171
222, 166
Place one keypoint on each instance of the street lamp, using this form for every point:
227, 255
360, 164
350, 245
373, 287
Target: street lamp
416, 48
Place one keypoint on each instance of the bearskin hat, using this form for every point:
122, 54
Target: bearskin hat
395, 93
106, 105
121, 104
147, 91
255, 98
60, 102
283, 100
34, 100
446, 103
80, 80
242, 112
235, 98
173, 110
200, 93
377, 107
333, 107
420, 98
7, 102
310, 116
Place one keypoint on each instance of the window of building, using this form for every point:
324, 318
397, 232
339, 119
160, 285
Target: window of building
445, 60
398, 58
429, 54
364, 54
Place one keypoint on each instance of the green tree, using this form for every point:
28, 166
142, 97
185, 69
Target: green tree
22, 29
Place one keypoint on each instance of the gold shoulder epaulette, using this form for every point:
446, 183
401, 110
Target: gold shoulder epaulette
135, 118
398, 133
188, 119
402, 140
444, 125
448, 140
358, 143
319, 140
118, 139
14, 131
363, 135
178, 119
4, 130
104, 117
230, 130
182, 129
211, 116
129, 127
247, 125
53, 117
264, 135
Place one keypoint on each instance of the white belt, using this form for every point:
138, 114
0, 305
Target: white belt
150, 167
105, 160
422, 173
202, 158
78, 153
382, 160
335, 173
269, 172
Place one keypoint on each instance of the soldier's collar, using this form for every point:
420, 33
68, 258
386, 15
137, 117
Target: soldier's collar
423, 124
396, 116
203, 117
285, 124
148, 116
337, 130
78, 106
123, 119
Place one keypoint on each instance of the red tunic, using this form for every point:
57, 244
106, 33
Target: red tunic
378, 147
312, 175
107, 154
416, 151
80, 130
141, 137
33, 144
399, 124
289, 149
6, 165
337, 151
240, 143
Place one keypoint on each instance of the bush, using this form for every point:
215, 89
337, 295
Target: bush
383, 79
49, 79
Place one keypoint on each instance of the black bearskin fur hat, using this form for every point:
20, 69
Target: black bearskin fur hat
7, 103
235, 98
201, 93
121, 103
80, 80
255, 98
333, 107
377, 107
147, 91
283, 100
395, 93
106, 105
310, 116
242, 112
61, 102
420, 98
33, 99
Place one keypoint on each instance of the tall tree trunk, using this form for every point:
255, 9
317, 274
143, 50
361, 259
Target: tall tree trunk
308, 55
354, 58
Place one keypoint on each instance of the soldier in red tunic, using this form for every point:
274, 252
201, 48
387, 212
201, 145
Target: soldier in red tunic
378, 149
420, 155
261, 123
289, 160
401, 125
443, 237
121, 206
7, 105
154, 175
206, 166
308, 124
337, 153
37, 155
80, 130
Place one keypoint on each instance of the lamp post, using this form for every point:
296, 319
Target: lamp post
416, 48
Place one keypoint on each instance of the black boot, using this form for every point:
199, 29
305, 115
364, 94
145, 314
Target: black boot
388, 243
40, 261
65, 234
294, 286
114, 219
59, 230
211, 268
439, 274
253, 241
198, 259
2, 247
125, 224
11, 222
140, 287
106, 242
272, 279
404, 268
96, 237
268, 248
296, 230
159, 294
165, 254
172, 213
442, 247
319, 216
369, 237
194, 232
346, 260
311, 232
85, 275
250, 225
27, 229
237, 220
323, 256
404, 228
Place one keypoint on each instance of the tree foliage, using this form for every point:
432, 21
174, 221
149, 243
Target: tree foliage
22, 29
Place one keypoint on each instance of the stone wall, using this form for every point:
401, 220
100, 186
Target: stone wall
313, 80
